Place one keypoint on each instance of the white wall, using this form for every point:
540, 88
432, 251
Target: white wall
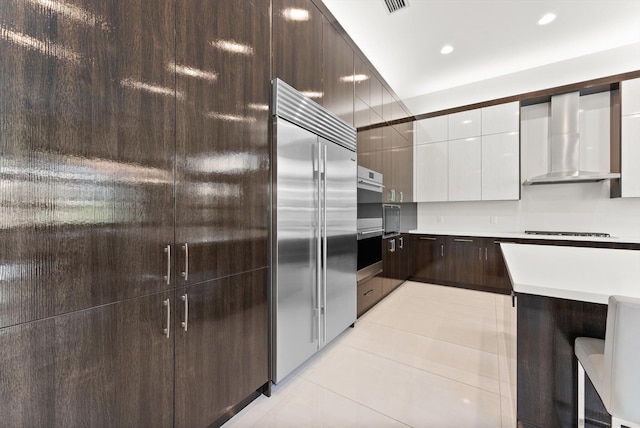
588, 67
581, 207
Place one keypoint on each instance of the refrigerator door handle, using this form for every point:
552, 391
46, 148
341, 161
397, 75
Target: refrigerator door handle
324, 245
319, 266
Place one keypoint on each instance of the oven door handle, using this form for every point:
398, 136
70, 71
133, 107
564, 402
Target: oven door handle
370, 183
369, 232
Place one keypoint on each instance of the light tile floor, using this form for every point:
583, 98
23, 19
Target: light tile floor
426, 356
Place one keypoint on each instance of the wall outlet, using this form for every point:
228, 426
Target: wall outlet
493, 219
440, 219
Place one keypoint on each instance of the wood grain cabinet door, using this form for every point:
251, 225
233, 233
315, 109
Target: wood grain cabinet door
87, 116
222, 350
338, 70
298, 46
468, 260
222, 147
110, 366
495, 272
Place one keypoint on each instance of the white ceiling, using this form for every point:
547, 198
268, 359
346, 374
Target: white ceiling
491, 38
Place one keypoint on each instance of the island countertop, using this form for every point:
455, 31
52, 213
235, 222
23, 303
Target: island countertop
576, 273
522, 235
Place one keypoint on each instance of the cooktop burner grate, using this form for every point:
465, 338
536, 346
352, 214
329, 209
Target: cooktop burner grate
558, 233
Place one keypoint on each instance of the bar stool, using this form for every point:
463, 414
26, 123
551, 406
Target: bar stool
613, 364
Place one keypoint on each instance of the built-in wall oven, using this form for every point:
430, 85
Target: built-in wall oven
370, 223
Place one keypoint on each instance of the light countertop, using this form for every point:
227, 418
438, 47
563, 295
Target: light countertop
576, 273
522, 235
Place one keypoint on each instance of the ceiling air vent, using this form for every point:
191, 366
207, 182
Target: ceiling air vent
396, 5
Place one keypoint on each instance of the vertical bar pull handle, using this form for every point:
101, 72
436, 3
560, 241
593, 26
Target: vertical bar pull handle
319, 260
324, 247
185, 323
401, 197
167, 250
401, 240
167, 329
441, 250
479, 253
486, 253
185, 274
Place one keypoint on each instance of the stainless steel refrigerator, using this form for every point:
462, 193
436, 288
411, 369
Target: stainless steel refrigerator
314, 204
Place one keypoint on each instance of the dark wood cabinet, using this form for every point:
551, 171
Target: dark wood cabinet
429, 258
136, 131
222, 141
495, 274
463, 261
297, 46
220, 351
376, 99
87, 147
395, 262
101, 367
368, 294
363, 82
466, 260
338, 76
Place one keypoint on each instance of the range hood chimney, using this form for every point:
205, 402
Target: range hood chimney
564, 145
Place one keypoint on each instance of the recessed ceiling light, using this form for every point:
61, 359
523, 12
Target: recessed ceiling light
547, 19
446, 49
294, 14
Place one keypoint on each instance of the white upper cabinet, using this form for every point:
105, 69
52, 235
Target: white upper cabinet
630, 94
432, 130
468, 156
465, 169
501, 118
501, 166
465, 124
431, 177
630, 166
630, 138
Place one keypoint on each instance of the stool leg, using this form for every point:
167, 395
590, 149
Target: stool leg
580, 395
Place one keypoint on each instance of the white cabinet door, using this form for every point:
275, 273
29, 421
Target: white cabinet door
501, 118
630, 167
431, 168
465, 173
630, 96
432, 130
501, 166
465, 124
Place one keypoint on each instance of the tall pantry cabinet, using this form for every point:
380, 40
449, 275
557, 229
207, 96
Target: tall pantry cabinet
134, 157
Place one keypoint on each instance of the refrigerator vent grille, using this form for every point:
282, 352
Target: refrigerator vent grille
291, 105
395, 5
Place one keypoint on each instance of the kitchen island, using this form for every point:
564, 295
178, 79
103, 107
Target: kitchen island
562, 293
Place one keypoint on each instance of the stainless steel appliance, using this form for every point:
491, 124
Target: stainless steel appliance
391, 220
370, 227
314, 197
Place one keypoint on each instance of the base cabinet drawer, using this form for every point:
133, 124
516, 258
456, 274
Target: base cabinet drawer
369, 293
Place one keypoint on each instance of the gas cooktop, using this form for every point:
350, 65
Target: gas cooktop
558, 233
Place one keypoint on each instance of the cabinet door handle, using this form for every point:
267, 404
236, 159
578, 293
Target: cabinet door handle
392, 245
185, 274
442, 250
463, 240
167, 329
486, 253
401, 239
424, 238
185, 323
401, 197
368, 292
479, 253
167, 250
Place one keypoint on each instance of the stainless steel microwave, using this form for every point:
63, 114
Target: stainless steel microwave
391, 220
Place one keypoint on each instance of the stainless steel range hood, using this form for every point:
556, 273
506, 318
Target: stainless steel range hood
564, 145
